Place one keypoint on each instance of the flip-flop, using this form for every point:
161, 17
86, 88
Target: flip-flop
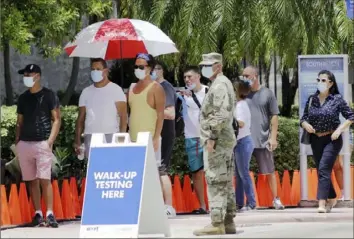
200, 211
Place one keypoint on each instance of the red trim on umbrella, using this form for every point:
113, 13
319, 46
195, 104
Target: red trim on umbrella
116, 29
69, 50
129, 49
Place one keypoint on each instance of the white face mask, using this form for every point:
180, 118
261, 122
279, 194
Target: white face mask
96, 76
191, 87
153, 75
140, 74
207, 71
28, 81
322, 87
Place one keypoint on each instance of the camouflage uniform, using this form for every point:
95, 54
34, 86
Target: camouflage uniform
216, 123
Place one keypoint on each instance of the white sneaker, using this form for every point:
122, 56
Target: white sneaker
170, 211
277, 204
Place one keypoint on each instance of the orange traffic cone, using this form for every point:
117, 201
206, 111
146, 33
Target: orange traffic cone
67, 201
82, 193
187, 194
57, 205
75, 195
180, 206
14, 206
5, 214
24, 204
295, 189
286, 189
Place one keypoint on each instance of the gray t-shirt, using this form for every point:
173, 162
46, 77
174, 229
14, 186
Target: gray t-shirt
263, 105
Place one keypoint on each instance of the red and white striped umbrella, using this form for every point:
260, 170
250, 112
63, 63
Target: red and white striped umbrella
120, 39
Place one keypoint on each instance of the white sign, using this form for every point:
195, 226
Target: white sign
123, 197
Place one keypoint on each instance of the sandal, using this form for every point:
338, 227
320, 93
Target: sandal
200, 211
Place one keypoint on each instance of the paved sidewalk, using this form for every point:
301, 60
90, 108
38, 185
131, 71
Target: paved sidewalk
263, 223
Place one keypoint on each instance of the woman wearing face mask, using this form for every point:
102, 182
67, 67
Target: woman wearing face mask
321, 120
244, 148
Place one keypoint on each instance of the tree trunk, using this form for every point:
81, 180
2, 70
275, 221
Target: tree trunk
267, 74
7, 74
73, 81
288, 91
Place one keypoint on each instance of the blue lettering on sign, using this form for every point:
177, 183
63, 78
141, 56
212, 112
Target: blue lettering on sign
113, 186
318, 64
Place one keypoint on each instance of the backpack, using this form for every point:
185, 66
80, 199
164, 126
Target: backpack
236, 127
179, 123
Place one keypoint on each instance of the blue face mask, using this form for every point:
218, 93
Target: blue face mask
191, 87
153, 75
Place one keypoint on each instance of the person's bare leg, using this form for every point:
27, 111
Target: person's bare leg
198, 182
166, 189
273, 184
36, 194
47, 194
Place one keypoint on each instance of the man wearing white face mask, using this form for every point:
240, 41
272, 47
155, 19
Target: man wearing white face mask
218, 139
194, 148
35, 135
102, 107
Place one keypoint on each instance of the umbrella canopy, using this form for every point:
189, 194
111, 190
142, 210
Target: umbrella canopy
120, 39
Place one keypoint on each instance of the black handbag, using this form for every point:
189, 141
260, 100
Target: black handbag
305, 137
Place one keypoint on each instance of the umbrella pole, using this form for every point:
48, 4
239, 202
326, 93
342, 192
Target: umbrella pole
121, 65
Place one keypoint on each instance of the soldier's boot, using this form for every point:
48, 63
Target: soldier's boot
212, 229
230, 227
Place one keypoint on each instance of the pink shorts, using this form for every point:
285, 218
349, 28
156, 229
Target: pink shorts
35, 160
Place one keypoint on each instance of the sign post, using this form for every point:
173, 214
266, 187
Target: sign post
309, 67
123, 196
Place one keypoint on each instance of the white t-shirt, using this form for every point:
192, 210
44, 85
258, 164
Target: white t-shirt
101, 111
243, 113
191, 121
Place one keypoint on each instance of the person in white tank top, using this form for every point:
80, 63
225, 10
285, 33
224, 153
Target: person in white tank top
243, 150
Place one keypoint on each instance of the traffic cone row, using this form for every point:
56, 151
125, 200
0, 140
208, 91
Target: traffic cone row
19, 208
67, 205
185, 199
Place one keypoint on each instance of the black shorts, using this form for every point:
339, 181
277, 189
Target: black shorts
168, 136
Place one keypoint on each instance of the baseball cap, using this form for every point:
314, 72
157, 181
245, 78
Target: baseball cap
211, 58
31, 68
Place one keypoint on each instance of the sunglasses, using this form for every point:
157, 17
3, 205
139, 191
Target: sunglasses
141, 67
321, 80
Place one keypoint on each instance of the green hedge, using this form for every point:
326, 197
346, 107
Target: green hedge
286, 156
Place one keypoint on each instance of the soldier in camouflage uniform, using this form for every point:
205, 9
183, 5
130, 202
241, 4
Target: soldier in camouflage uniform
218, 138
